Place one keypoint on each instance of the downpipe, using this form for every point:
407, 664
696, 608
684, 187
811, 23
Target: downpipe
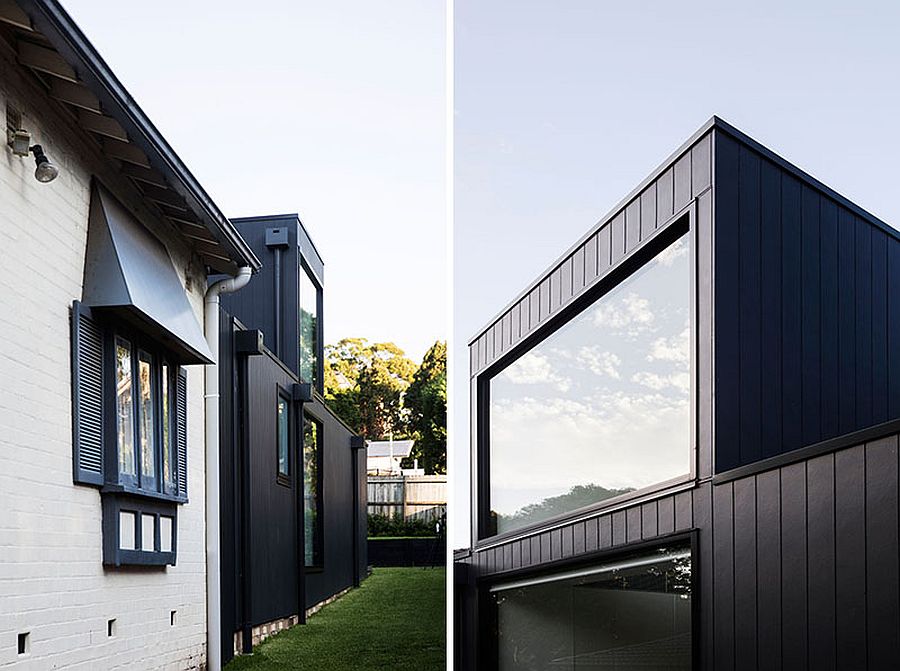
211, 412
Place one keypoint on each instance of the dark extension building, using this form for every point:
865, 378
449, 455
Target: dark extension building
293, 476
685, 434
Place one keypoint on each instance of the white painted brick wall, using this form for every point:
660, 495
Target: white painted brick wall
52, 580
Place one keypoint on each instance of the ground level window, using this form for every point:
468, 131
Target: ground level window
634, 613
284, 440
312, 491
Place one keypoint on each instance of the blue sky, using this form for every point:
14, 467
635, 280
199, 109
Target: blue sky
335, 110
562, 108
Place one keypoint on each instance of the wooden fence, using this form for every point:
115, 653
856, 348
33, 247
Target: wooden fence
422, 497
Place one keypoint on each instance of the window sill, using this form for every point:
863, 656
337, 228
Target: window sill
142, 493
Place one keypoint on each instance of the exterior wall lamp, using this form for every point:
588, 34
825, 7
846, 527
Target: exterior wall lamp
20, 142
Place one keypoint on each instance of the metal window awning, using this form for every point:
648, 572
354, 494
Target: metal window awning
129, 272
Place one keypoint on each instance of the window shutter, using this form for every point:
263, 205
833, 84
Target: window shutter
181, 432
87, 397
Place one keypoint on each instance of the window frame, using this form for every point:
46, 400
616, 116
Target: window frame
680, 224
486, 643
318, 551
283, 396
115, 480
319, 371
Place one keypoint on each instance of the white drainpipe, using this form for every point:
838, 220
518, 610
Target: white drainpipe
213, 563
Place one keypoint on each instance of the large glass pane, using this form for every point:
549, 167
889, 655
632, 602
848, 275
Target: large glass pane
283, 438
124, 408
602, 406
309, 329
632, 614
148, 444
168, 443
311, 521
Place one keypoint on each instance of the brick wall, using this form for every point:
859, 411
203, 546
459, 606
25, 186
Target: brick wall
52, 580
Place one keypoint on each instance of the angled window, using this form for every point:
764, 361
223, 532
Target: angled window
312, 492
597, 410
283, 439
132, 333
310, 343
630, 613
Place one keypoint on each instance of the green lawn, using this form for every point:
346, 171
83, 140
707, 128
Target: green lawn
395, 620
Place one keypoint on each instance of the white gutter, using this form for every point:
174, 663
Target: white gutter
211, 410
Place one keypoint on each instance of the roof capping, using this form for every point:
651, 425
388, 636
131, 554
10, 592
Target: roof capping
713, 123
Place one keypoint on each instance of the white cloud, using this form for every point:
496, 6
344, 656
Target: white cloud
600, 361
611, 439
676, 349
630, 314
680, 381
535, 368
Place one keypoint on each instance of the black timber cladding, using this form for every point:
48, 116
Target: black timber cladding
797, 535
807, 311
797, 565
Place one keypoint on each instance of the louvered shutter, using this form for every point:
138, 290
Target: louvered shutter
181, 432
87, 397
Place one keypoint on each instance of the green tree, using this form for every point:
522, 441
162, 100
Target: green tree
426, 401
365, 384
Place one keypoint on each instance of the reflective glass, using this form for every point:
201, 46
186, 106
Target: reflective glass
309, 329
148, 444
634, 614
602, 406
124, 408
283, 438
311, 520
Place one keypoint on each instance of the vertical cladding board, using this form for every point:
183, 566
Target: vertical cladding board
727, 308
749, 306
745, 573
820, 543
805, 311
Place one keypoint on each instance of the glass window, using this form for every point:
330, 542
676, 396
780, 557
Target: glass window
283, 438
147, 419
309, 329
124, 408
312, 492
168, 444
599, 408
631, 614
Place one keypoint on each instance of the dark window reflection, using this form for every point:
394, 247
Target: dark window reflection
601, 407
309, 329
635, 614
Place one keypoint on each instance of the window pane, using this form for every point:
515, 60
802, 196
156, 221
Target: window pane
148, 533
124, 408
148, 445
602, 406
127, 527
283, 438
311, 521
309, 329
168, 443
635, 614
165, 533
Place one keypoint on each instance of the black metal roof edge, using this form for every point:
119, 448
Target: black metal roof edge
61, 30
288, 216
803, 176
720, 124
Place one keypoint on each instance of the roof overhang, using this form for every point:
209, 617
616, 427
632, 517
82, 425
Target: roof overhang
51, 45
129, 272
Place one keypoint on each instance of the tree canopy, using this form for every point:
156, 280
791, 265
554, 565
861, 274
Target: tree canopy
377, 390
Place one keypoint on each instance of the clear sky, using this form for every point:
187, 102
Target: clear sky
335, 110
561, 108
